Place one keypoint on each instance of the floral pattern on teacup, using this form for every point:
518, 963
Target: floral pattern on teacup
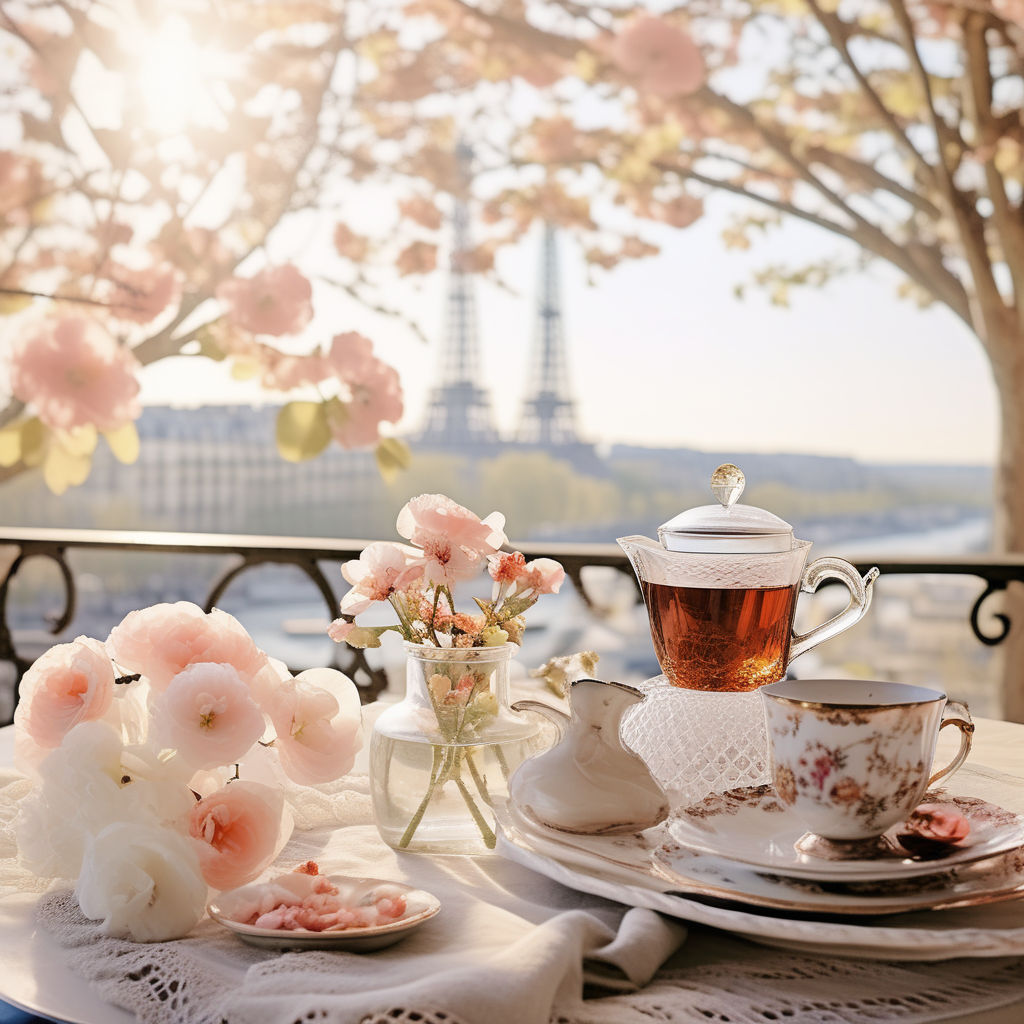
849, 773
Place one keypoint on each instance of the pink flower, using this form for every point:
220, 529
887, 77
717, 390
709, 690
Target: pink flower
350, 245
821, 769
142, 295
931, 828
207, 714
236, 832
422, 211
380, 570
318, 723
163, 639
339, 630
374, 388
278, 300
417, 258
284, 372
70, 683
507, 568
544, 575
20, 185
74, 373
662, 58
1011, 10
453, 539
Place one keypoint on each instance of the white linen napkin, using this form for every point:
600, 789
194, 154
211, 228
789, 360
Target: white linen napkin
509, 946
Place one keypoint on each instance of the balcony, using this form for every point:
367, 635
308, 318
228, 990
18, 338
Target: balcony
932, 621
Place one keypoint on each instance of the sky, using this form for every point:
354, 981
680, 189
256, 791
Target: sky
662, 353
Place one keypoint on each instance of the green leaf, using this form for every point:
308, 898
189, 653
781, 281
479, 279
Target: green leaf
33, 441
208, 345
124, 443
368, 636
513, 606
392, 457
10, 444
302, 430
80, 441
64, 468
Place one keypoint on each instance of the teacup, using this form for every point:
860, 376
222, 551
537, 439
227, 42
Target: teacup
853, 757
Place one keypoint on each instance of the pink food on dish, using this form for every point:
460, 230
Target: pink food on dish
313, 903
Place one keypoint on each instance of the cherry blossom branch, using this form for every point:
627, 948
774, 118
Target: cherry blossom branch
979, 94
936, 278
987, 305
29, 294
837, 33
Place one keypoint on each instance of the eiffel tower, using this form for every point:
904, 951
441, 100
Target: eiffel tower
549, 412
459, 410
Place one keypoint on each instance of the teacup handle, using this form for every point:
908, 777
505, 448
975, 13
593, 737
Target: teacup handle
815, 574
955, 713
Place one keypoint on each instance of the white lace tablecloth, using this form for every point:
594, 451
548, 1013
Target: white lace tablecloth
508, 946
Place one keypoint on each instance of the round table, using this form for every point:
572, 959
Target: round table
34, 975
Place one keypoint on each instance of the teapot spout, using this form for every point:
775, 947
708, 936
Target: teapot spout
649, 559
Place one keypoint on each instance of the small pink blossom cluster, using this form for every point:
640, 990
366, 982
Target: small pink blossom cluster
447, 544
140, 744
278, 301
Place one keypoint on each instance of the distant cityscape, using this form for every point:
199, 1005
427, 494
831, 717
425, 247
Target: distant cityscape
215, 469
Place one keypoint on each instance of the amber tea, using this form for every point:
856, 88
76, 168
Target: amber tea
721, 639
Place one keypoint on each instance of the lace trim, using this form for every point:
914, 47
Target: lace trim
198, 981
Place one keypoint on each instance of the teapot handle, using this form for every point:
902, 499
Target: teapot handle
860, 599
559, 718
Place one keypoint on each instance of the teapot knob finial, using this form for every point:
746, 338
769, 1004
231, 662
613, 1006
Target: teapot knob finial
727, 483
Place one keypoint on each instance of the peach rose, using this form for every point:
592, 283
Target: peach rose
70, 683
207, 714
237, 832
318, 722
73, 373
163, 639
933, 828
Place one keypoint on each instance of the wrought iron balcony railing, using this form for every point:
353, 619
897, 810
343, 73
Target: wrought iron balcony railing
311, 556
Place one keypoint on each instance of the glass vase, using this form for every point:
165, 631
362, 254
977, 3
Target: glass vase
442, 756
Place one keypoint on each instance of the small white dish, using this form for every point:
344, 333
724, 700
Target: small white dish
753, 827
420, 907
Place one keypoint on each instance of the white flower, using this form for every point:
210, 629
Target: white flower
143, 883
87, 783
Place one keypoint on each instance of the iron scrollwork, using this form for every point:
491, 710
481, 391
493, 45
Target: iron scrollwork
57, 623
370, 680
992, 587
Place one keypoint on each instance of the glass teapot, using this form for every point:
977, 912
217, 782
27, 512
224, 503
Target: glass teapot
721, 591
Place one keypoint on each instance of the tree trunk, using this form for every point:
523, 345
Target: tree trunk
1008, 526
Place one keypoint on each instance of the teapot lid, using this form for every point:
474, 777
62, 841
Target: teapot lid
726, 527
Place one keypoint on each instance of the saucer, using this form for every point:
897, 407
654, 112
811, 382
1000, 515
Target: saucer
420, 907
653, 860
751, 826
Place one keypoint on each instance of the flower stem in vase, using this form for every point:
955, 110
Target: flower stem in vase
417, 817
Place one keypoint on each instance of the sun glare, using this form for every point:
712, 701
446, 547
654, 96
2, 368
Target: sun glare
173, 76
